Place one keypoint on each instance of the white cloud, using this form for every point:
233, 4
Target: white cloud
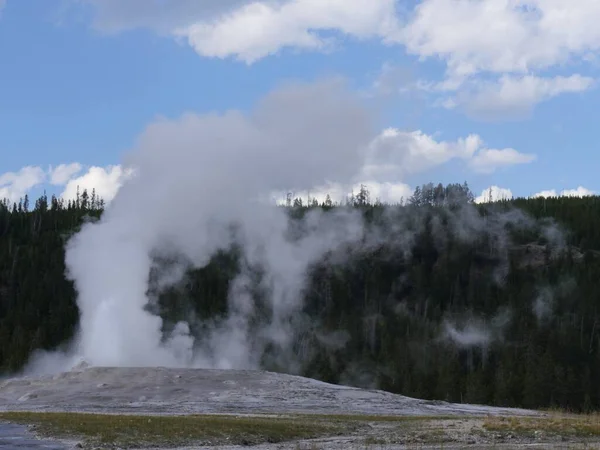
578, 192
390, 158
488, 160
471, 36
61, 174
515, 96
259, 29
387, 192
14, 185
382, 164
502, 36
494, 50
396, 153
547, 193
105, 180
513, 42
493, 194
499, 193
251, 30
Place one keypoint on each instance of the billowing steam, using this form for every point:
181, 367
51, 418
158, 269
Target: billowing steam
201, 184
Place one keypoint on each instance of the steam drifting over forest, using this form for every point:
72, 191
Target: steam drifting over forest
192, 265
437, 298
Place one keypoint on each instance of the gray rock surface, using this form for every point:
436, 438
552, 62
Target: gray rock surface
184, 391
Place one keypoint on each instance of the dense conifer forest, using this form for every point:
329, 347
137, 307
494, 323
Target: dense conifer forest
482, 309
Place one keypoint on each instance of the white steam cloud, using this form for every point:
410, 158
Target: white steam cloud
193, 178
202, 184
476, 332
546, 300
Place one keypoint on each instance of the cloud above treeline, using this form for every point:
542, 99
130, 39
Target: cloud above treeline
68, 178
387, 162
496, 193
106, 181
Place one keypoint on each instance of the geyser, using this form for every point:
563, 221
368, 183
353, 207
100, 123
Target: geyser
192, 179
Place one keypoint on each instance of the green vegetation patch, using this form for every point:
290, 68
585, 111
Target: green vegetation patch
126, 431
365, 418
565, 425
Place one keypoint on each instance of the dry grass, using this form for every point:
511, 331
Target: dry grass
127, 431
554, 424
363, 418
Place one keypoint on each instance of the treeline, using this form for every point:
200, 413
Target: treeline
37, 303
486, 307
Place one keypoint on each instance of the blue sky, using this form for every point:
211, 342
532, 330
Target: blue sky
80, 80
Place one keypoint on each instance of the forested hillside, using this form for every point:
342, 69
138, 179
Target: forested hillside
495, 303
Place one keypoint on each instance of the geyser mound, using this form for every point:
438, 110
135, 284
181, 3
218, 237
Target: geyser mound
143, 390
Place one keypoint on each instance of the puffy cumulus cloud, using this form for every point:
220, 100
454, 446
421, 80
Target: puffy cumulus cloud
578, 192
494, 50
60, 175
471, 36
394, 155
497, 53
105, 180
294, 24
406, 152
387, 192
502, 36
382, 163
251, 30
399, 153
14, 185
493, 194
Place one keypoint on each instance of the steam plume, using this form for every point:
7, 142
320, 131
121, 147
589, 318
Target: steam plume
202, 184
194, 178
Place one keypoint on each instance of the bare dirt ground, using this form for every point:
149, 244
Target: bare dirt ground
160, 391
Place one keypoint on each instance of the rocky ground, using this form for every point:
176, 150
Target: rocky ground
359, 418
199, 391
